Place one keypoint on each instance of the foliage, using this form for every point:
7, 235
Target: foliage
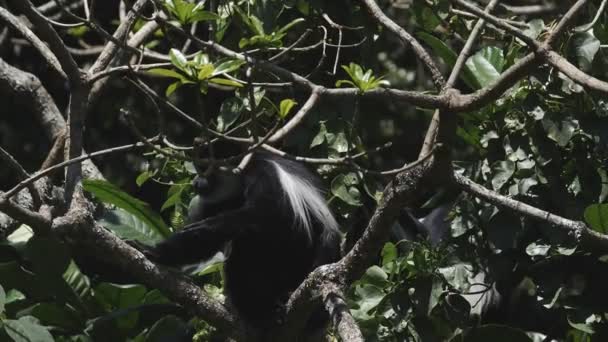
542, 142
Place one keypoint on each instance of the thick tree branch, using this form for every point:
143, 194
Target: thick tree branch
38, 44
68, 64
343, 322
431, 132
123, 29
298, 117
80, 226
33, 97
586, 237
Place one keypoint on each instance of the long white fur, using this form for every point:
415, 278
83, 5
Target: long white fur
305, 200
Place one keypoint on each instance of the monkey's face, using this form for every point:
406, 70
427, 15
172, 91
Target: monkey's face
220, 190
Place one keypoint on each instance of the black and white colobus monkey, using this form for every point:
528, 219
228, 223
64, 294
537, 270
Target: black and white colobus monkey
278, 226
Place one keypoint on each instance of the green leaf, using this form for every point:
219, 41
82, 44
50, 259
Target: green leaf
370, 296
342, 187
285, 107
172, 88
2, 299
114, 296
226, 82
77, 281
178, 59
129, 227
596, 216
339, 83
586, 46
376, 275
201, 15
320, 137
586, 328
502, 171
389, 253
27, 329
108, 193
230, 111
449, 57
143, 177
175, 198
166, 73
486, 65
56, 315
227, 66
256, 25
205, 72
560, 132
290, 25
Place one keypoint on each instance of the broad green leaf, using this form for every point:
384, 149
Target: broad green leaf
227, 66
108, 193
320, 137
178, 59
230, 111
449, 57
114, 296
370, 296
560, 132
586, 46
56, 315
486, 65
129, 227
389, 253
596, 216
27, 329
502, 171
78, 282
535, 28
341, 187
285, 107
376, 276
175, 198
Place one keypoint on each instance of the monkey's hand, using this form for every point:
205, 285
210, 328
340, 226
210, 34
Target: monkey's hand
143, 248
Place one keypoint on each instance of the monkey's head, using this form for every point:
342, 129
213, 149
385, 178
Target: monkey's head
218, 191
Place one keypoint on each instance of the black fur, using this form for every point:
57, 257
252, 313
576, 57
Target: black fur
269, 254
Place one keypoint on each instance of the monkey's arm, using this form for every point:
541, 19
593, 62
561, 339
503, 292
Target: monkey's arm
201, 240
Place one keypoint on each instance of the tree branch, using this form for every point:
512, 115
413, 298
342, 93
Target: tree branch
584, 236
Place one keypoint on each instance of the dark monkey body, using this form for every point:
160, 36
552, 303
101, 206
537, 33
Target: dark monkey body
277, 224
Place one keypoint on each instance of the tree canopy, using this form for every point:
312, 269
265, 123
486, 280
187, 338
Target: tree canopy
462, 145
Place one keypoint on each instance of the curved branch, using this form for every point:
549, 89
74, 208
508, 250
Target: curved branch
585, 236
407, 38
